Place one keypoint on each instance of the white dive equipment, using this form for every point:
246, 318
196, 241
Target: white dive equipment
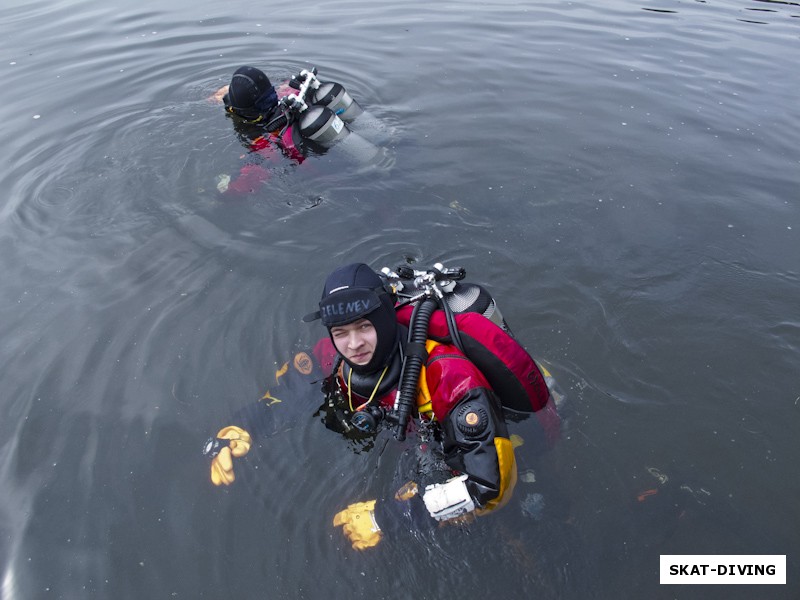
448, 500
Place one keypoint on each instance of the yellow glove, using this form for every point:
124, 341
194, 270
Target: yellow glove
359, 525
222, 463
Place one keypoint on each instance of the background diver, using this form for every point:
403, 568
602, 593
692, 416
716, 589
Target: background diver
301, 116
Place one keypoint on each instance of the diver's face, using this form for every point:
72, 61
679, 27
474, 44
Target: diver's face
355, 341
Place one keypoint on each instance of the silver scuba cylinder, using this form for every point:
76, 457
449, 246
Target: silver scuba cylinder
360, 150
321, 125
334, 96
470, 297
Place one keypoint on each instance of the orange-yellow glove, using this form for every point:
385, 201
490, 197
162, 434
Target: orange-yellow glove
222, 463
359, 525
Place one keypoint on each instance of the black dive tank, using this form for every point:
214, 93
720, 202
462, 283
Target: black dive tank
320, 125
334, 96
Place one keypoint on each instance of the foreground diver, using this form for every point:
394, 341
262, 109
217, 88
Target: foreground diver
299, 116
405, 366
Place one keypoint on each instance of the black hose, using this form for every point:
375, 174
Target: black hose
452, 326
279, 122
415, 358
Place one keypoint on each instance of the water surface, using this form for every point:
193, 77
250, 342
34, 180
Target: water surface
623, 176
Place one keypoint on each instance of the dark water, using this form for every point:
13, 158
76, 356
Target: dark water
623, 175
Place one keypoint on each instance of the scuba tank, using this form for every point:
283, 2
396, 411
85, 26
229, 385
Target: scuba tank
373, 131
334, 96
321, 110
460, 296
326, 93
317, 124
322, 126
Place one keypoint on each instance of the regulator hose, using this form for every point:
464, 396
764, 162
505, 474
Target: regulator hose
416, 356
279, 122
452, 326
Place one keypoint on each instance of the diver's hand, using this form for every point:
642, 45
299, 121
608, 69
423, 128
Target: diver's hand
448, 500
359, 524
236, 442
219, 94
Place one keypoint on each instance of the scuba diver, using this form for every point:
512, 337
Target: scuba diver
302, 116
414, 352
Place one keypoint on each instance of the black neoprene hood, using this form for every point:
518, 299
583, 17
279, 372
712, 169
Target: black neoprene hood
248, 84
354, 292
